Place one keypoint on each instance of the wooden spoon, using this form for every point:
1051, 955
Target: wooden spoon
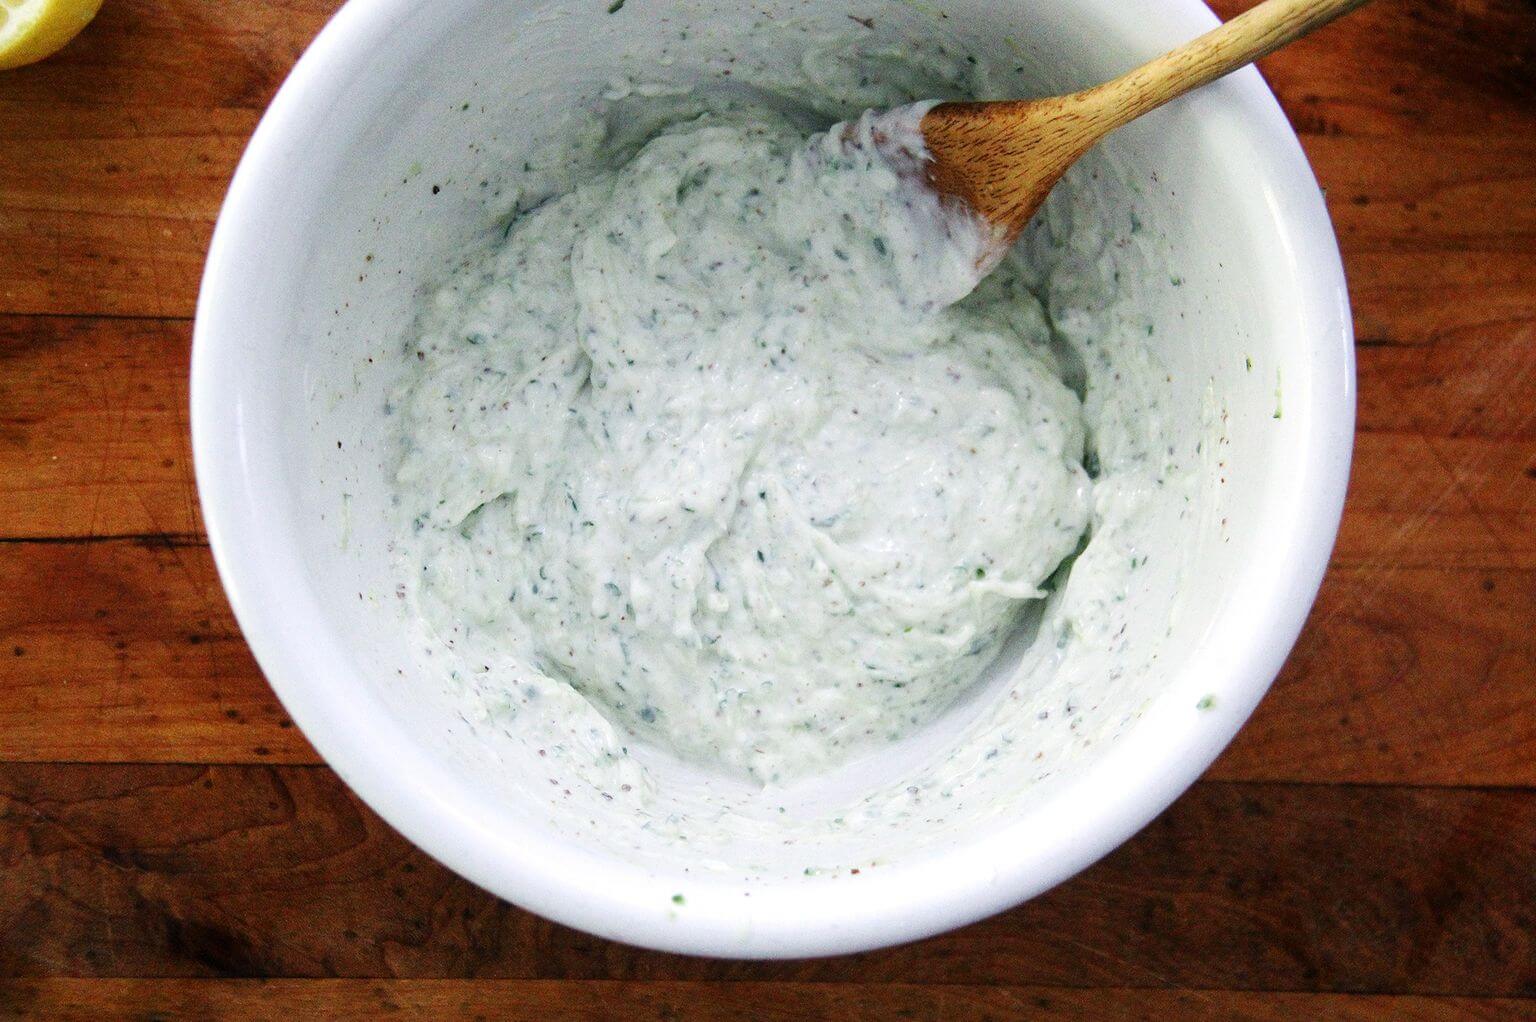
1003, 158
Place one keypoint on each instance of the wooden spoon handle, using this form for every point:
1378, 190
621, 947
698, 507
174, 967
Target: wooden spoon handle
1001, 159
1253, 34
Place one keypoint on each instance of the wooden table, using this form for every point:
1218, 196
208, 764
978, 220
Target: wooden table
170, 847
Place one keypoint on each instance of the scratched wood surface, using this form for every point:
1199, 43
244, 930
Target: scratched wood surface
171, 847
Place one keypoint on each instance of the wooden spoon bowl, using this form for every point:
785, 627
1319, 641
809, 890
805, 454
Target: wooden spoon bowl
1003, 158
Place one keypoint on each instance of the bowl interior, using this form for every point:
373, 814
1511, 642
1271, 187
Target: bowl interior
384, 155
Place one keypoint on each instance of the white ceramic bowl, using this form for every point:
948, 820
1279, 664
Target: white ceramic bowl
332, 226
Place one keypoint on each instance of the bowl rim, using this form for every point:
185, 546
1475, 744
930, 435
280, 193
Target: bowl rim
1116, 795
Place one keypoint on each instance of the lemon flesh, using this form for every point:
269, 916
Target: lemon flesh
33, 29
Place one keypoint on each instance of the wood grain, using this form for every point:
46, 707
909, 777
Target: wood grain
160, 871
1386, 195
176, 55
1473, 379
127, 650
108, 209
96, 442
1448, 67
73, 1000
1429, 502
1406, 676
116, 153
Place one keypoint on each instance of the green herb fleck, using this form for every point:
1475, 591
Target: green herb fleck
1249, 363
615, 7
1207, 702
677, 899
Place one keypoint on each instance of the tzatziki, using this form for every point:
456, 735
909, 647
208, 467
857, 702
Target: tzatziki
721, 439
718, 449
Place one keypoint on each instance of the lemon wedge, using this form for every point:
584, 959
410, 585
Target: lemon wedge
33, 29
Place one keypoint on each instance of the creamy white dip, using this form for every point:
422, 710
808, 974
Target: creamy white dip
718, 439
714, 450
